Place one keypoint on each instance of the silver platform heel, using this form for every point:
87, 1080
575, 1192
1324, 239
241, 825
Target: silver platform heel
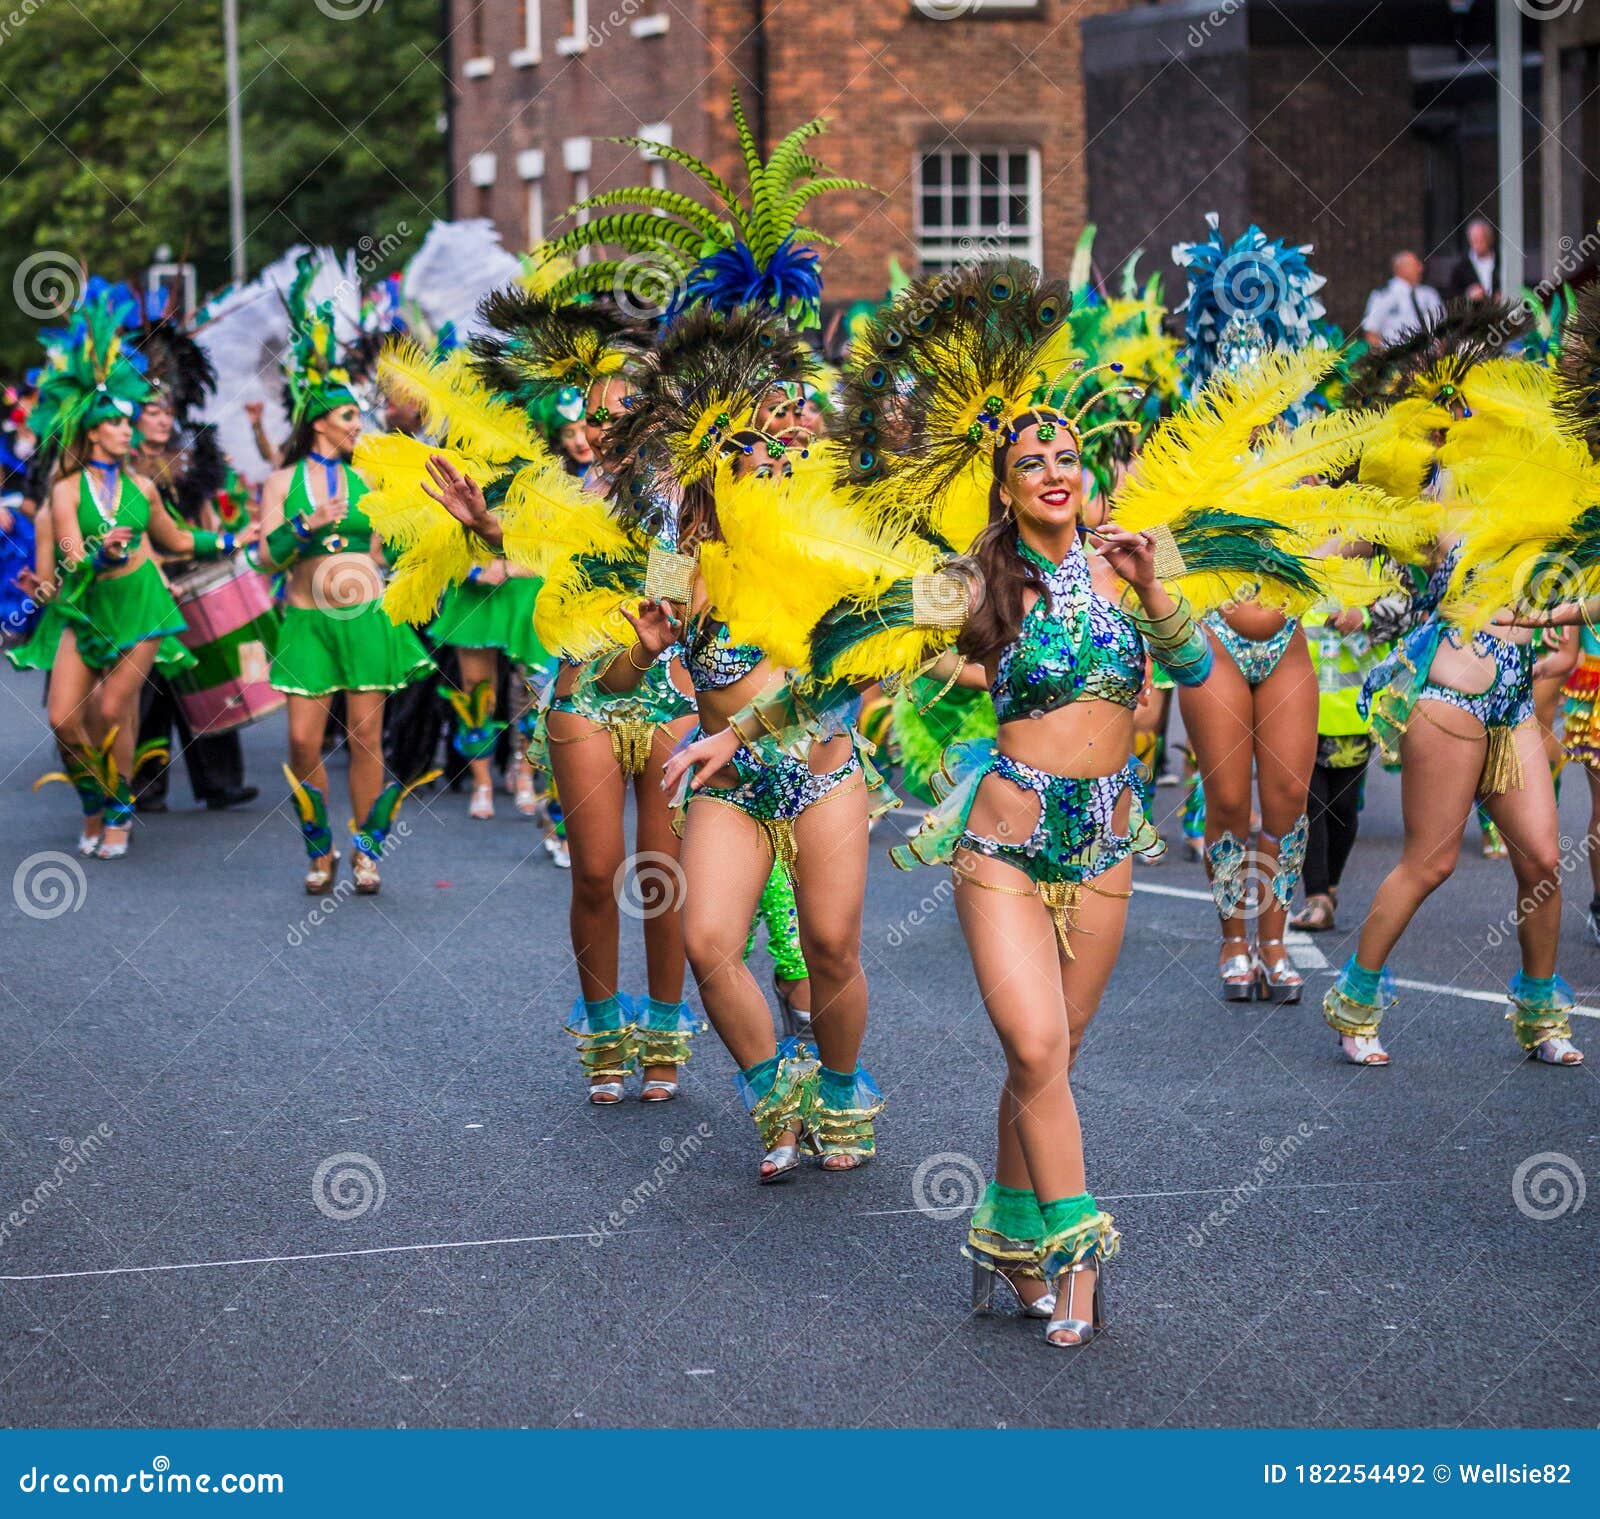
784, 1158
983, 1280
1280, 983
1238, 973
1085, 1329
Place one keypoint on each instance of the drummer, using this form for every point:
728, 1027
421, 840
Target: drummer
187, 469
335, 635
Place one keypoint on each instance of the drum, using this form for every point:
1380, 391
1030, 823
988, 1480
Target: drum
232, 628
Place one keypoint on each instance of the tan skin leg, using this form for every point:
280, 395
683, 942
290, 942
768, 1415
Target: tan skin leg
117, 698
308, 722
74, 719
364, 735
592, 787
1285, 749
726, 862
1529, 825
1593, 778
1219, 717
1041, 1004
1440, 761
479, 665
653, 834
830, 888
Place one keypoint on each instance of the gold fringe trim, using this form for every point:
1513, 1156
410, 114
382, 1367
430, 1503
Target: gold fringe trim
1345, 1016
631, 742
1502, 765
1532, 1029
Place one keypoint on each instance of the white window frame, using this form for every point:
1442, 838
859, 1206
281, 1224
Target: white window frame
530, 168
940, 248
968, 10
530, 52
577, 41
655, 132
481, 64
650, 26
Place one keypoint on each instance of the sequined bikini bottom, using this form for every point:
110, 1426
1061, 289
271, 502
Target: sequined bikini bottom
1256, 658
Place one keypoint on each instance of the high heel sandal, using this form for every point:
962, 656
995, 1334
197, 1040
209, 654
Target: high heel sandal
319, 878
605, 1094
526, 798
481, 807
1238, 972
1363, 1049
1280, 983
89, 843
1085, 1329
105, 850
658, 1090
784, 1159
983, 1280
365, 869
1557, 1050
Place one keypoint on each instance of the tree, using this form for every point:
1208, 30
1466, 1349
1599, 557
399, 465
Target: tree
113, 138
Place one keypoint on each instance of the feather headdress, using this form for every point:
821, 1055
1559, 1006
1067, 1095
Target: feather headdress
535, 345
319, 382
1578, 363
1245, 299
679, 252
696, 397
950, 366
93, 375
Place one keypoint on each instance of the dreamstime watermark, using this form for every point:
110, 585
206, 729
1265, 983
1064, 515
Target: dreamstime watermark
922, 913
648, 884
348, 10
946, 10
1275, 1154
76, 1155
1212, 22
48, 885
1549, 10
47, 284
1573, 254
1248, 287
1574, 852
946, 1185
1548, 1185
11, 21
342, 891
675, 1155
646, 284
346, 585
346, 1185
600, 31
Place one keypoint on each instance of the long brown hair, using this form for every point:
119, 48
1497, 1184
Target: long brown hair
1005, 575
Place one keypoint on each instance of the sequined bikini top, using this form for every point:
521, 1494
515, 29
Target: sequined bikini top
1074, 645
714, 663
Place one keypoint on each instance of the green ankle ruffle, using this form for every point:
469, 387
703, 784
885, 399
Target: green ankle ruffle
1075, 1229
780, 1092
1539, 1009
662, 1031
1006, 1231
842, 1123
1358, 999
605, 1038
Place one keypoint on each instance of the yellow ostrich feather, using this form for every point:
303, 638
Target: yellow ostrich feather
1356, 582
548, 517
1351, 512
543, 269
1197, 454
441, 556
395, 467
580, 620
456, 405
793, 549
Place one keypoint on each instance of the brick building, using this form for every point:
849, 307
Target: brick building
1007, 124
967, 114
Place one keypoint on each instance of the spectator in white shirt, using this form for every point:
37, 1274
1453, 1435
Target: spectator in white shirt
1401, 306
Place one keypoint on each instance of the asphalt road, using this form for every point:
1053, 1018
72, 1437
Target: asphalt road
188, 1041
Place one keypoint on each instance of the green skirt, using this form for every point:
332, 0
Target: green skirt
492, 617
321, 652
108, 616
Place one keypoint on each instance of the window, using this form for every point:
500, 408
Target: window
653, 134
974, 203
477, 63
578, 39
535, 212
529, 53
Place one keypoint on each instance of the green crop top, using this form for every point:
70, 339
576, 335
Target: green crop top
353, 532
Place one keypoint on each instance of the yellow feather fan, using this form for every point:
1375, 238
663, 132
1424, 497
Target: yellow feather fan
795, 548
548, 517
456, 405
578, 612
1356, 582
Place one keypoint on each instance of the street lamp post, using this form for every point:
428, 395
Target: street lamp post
230, 43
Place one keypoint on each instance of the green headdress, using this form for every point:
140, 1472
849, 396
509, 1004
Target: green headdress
679, 252
318, 382
92, 377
